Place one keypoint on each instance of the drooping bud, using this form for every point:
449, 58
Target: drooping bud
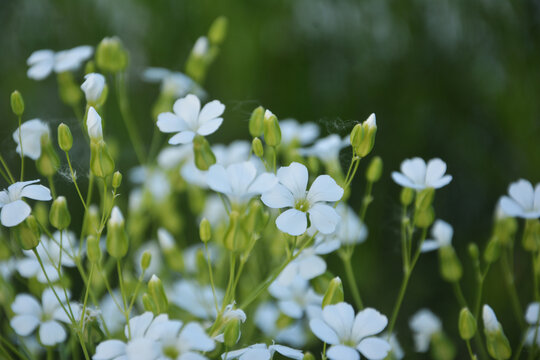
17, 103
497, 343
374, 170
146, 259
93, 250
256, 122
365, 140
117, 179
65, 139
111, 56
257, 147
59, 215
157, 293
407, 196
218, 30
466, 324
205, 230
272, 131
334, 293
93, 88
28, 233
204, 156
117, 240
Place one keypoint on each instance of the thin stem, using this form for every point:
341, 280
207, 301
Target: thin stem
511, 288
121, 283
469, 349
136, 291
459, 294
366, 200
22, 151
12, 348
81, 324
352, 282
7, 169
210, 272
75, 181
51, 186
399, 300
4, 175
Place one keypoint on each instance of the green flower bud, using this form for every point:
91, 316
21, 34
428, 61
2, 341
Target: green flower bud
374, 170
157, 294
117, 240
497, 343
407, 196
205, 230
59, 215
91, 221
233, 233
148, 304
101, 162
111, 56
204, 157
65, 139
146, 258
492, 252
41, 212
424, 198
218, 30
28, 233
256, 122
365, 140
424, 218
257, 147
357, 136
173, 255
441, 347
231, 333
48, 163
474, 253
531, 236
68, 89
93, 250
505, 229
90, 67
334, 293
466, 324
272, 131
308, 356
117, 179
450, 265
17, 103
255, 220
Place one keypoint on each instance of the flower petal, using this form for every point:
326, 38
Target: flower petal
51, 333
291, 309
24, 324
210, 111
311, 267
429, 245
40, 70
168, 123
240, 176
287, 351
209, 127
340, 318
523, 193
415, 170
323, 217
295, 178
292, 221
368, 322
109, 349
183, 137
218, 180
36, 192
404, 181
278, 197
324, 188
323, 331
139, 324
25, 304
374, 348
342, 352
14, 213
445, 180
435, 169
194, 336
262, 183
188, 109
510, 207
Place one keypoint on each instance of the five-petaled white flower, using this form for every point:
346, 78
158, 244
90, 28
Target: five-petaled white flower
293, 131
195, 299
43, 62
415, 174
239, 181
262, 352
350, 231
327, 149
424, 324
31, 133
291, 192
295, 298
442, 233
524, 200
349, 334
93, 86
173, 83
532, 316
29, 314
189, 119
14, 209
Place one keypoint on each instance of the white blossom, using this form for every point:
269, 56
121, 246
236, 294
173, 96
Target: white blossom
13, 209
31, 132
295, 298
327, 149
442, 233
93, 87
292, 130
200, 48
267, 320
195, 299
524, 200
308, 264
172, 82
532, 317
415, 174
424, 324
43, 62
93, 124
263, 352
491, 323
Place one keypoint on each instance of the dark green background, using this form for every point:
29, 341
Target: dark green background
455, 79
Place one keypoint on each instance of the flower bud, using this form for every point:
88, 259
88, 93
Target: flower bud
69, 90
93, 249
218, 30
255, 219
205, 230
424, 218
59, 215
173, 255
93, 88
204, 156
442, 347
41, 212
256, 122
308, 356
492, 252
531, 236
231, 333
449, 264
232, 234
17, 103
272, 131
111, 56
504, 230
90, 67
148, 304
117, 240
474, 253
65, 139
117, 179
334, 293
497, 343
28, 233
48, 162
91, 221
146, 259
93, 124
424, 199
357, 135
198, 60
257, 147
466, 324
374, 170
157, 294
101, 162
365, 140
407, 196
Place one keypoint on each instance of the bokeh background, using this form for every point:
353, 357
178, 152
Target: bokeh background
455, 79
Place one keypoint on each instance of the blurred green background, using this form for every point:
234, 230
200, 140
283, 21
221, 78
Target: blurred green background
455, 79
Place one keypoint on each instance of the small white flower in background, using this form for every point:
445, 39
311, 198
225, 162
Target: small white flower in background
13, 209
214, 211
195, 299
172, 156
491, 324
262, 352
266, 318
349, 334
524, 200
231, 313
190, 255
31, 133
294, 299
174, 83
235, 152
189, 119
415, 174
396, 351
49, 253
292, 130
114, 319
240, 181
93, 86
93, 123
442, 233
7, 268
424, 324
327, 149
349, 231
200, 48
532, 317
30, 314
308, 264
43, 62
291, 192
153, 180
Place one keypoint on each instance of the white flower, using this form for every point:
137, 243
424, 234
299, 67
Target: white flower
491, 324
235, 152
349, 334
415, 174
532, 317
153, 180
30, 314
442, 233
349, 231
267, 316
43, 62
172, 156
292, 130
262, 352
524, 201
308, 264
189, 119
174, 83
93, 123
13, 209
327, 149
31, 133
93, 87
195, 299
201, 46
240, 181
295, 298
49, 253
291, 192
113, 318
396, 350
424, 324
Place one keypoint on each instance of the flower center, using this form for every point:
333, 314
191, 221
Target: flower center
170, 352
302, 205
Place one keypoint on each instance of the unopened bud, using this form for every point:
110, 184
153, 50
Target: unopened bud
232, 234
449, 263
374, 170
255, 220
497, 343
424, 218
93, 249
365, 140
357, 135
69, 90
157, 293
424, 199
111, 56
218, 30
492, 252
117, 240
146, 258
91, 220
117, 179
407, 196
93, 88
205, 230
148, 304
308, 356
65, 139
474, 253
17, 103
256, 122
334, 293
466, 324
48, 162
28, 233
531, 236
204, 156
231, 333
59, 215
272, 131
101, 161
257, 147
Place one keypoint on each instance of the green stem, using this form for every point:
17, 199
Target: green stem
74, 179
81, 324
22, 152
121, 283
51, 186
210, 272
366, 201
399, 300
459, 294
7, 169
352, 282
469, 349
511, 288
